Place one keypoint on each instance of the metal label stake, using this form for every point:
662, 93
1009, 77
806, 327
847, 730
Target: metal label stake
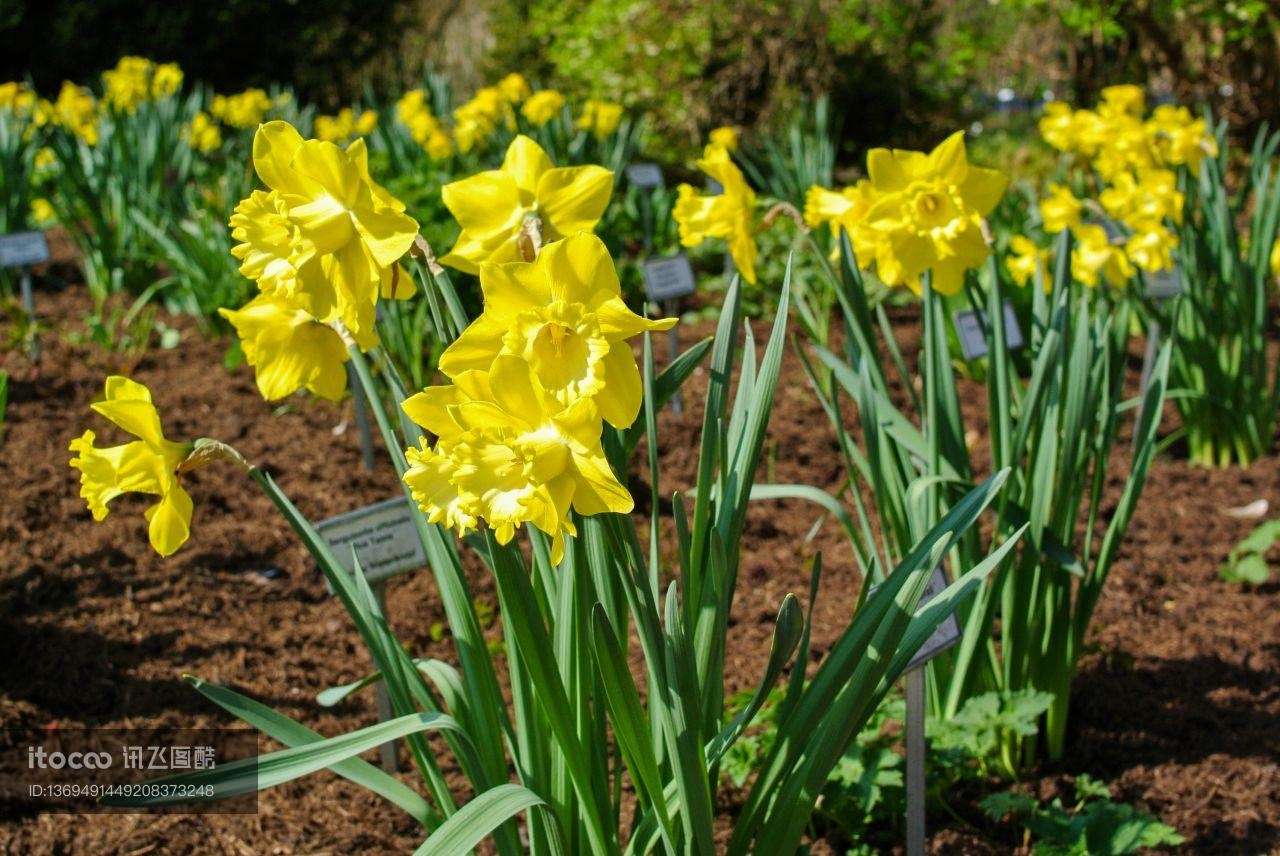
667, 280
1162, 286
947, 634
914, 736
381, 698
22, 250
386, 539
362, 418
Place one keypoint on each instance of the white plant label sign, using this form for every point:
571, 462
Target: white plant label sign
383, 535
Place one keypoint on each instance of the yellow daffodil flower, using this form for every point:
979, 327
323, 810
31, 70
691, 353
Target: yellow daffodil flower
542, 107
480, 117
202, 134
1151, 196
166, 80
18, 99
1125, 99
1093, 258
726, 137
1060, 209
845, 210
414, 113
600, 118
325, 233
1024, 259
147, 465
1151, 246
76, 111
564, 315
42, 213
1275, 260
289, 349
510, 455
1180, 138
492, 206
730, 215
128, 84
514, 88
930, 209
1057, 126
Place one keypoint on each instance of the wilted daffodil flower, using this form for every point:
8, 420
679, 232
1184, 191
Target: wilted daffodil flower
146, 465
509, 454
729, 215
542, 107
564, 315
325, 234
492, 206
930, 209
600, 118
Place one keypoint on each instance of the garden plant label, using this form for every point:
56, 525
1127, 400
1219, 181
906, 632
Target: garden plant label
971, 327
669, 278
383, 535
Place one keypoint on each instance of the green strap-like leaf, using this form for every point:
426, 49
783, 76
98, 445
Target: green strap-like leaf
256, 774
292, 733
480, 817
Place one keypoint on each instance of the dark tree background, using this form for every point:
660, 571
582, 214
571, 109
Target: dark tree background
326, 49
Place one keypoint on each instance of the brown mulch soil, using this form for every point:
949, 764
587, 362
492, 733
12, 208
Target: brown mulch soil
1177, 707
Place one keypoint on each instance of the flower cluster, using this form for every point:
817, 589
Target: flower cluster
495, 206
600, 118
915, 212
1116, 139
729, 214
346, 125
518, 431
1130, 226
413, 111
202, 133
323, 242
242, 110
136, 80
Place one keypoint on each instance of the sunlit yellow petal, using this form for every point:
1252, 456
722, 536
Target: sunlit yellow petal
573, 199
170, 520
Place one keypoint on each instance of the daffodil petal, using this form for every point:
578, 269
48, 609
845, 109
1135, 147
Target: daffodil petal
619, 401
573, 199
526, 162
273, 148
170, 520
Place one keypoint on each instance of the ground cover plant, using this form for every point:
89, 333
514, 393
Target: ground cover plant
525, 431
